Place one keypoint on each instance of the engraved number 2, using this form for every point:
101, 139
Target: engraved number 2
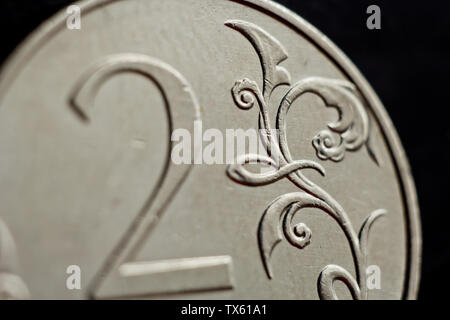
120, 276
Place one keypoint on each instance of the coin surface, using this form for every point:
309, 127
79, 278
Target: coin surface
94, 204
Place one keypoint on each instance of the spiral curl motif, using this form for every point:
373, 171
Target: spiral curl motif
244, 94
349, 133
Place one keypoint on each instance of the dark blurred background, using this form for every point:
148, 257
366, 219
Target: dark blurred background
408, 64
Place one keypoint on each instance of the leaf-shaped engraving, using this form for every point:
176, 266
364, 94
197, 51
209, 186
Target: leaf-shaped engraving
365, 229
329, 275
372, 146
270, 51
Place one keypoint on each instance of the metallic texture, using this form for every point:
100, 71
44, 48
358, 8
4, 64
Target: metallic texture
86, 175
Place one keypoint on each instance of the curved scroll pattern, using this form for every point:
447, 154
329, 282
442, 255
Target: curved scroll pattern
349, 133
352, 127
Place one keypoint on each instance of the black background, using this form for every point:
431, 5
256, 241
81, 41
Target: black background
408, 64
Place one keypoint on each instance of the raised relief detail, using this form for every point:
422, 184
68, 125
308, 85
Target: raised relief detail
120, 275
349, 133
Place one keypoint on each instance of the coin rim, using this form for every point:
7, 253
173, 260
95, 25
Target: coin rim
36, 39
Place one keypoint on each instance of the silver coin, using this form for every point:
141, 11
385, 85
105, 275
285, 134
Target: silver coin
93, 204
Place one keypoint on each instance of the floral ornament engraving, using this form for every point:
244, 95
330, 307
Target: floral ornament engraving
349, 133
